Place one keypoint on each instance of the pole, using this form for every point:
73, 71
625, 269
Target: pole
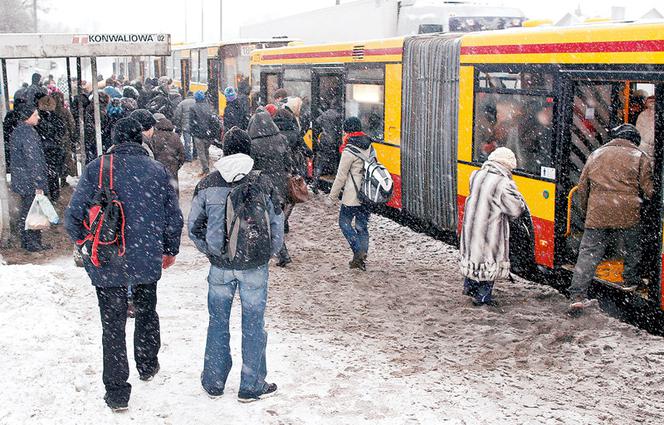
95, 102
69, 82
221, 20
5, 83
81, 116
34, 15
5, 229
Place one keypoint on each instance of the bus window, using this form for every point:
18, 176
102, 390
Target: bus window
194, 66
297, 83
365, 99
202, 66
522, 123
177, 66
515, 80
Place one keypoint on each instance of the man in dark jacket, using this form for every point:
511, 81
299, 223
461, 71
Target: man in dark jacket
52, 130
207, 224
35, 91
271, 155
28, 170
167, 149
235, 114
202, 125
152, 239
614, 183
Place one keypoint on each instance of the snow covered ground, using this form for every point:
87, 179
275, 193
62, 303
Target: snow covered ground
395, 345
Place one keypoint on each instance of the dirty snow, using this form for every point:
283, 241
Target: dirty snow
397, 344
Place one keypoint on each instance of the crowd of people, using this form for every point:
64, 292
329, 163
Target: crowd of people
241, 206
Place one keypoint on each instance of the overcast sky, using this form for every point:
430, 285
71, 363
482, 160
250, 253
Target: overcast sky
168, 15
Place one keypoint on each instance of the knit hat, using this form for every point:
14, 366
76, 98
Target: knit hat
352, 125
130, 92
199, 96
504, 156
158, 116
236, 141
145, 118
127, 130
115, 109
24, 110
230, 94
271, 109
46, 103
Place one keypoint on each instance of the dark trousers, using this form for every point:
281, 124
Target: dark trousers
31, 240
113, 310
591, 252
480, 290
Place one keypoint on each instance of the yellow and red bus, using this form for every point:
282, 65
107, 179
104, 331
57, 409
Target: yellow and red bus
437, 104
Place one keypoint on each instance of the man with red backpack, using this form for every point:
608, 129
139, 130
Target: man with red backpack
125, 219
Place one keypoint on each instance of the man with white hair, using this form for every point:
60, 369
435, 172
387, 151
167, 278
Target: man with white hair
484, 245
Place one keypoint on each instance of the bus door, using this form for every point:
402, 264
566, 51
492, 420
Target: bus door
593, 105
214, 75
185, 70
271, 81
327, 114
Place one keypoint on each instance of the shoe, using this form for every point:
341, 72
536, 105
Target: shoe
268, 390
490, 303
286, 227
580, 305
284, 262
213, 395
116, 406
149, 376
131, 311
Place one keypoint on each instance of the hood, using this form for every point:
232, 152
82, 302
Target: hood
261, 125
234, 168
285, 124
497, 168
363, 142
164, 124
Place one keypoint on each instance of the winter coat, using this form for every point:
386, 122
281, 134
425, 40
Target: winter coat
351, 165
207, 218
269, 149
299, 150
202, 122
52, 131
235, 115
331, 123
163, 102
645, 123
613, 183
34, 92
182, 114
12, 120
153, 217
28, 166
167, 148
485, 232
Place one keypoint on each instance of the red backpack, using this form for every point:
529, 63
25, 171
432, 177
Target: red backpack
105, 224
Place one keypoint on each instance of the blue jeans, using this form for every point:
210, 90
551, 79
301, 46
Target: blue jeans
253, 296
358, 235
188, 146
479, 290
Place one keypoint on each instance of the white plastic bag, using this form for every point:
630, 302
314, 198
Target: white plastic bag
48, 209
41, 214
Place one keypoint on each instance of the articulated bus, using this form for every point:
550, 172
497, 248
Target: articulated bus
436, 104
213, 67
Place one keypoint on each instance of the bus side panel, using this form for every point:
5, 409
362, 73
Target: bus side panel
390, 156
465, 145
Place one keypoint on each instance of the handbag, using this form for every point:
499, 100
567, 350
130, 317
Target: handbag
298, 191
41, 214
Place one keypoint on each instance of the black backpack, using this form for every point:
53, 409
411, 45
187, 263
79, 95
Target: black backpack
105, 225
248, 234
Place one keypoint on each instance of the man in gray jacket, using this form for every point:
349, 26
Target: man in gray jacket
181, 119
208, 231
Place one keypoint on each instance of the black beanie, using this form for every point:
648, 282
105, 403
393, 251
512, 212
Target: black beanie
236, 141
145, 118
352, 125
127, 130
24, 110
